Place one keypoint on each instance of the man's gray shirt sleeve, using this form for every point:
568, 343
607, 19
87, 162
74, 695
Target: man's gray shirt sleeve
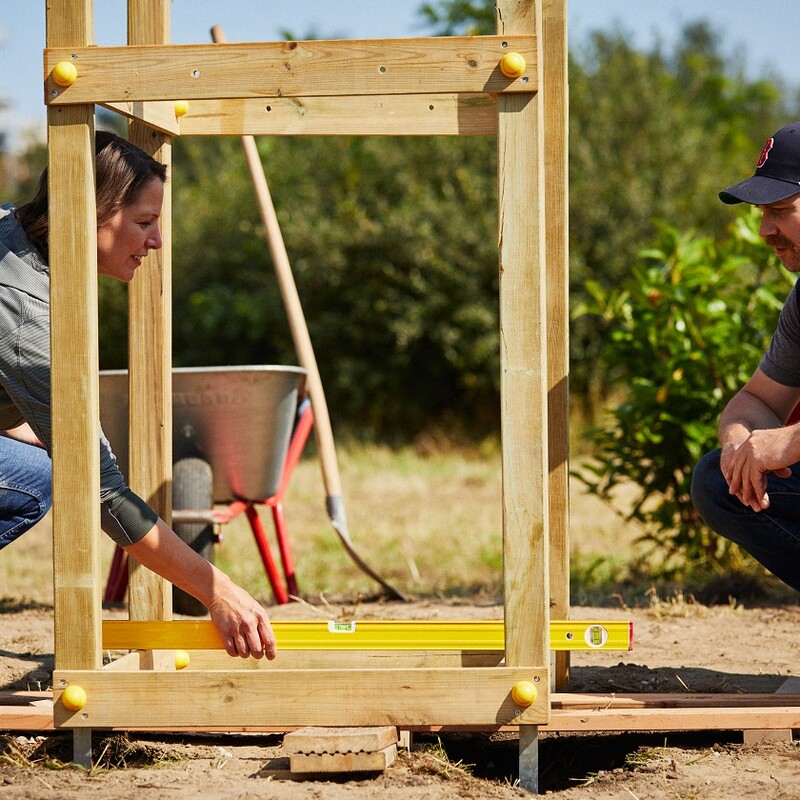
781, 362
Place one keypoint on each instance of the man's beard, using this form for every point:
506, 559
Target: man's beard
791, 261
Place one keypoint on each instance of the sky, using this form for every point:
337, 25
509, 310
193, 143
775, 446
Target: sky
761, 35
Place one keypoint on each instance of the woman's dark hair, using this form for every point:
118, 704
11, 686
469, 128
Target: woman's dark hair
122, 170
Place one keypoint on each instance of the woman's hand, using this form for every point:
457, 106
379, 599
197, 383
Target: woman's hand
242, 623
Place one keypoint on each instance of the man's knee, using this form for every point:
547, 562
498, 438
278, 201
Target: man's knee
708, 482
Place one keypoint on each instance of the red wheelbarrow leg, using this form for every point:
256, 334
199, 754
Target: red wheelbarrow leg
266, 555
279, 518
302, 430
117, 581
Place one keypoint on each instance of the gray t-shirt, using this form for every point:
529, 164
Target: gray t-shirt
25, 373
781, 362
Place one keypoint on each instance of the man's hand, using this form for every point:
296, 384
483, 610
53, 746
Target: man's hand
746, 465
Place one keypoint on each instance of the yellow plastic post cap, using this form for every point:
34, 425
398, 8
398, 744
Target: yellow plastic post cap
512, 65
65, 73
181, 107
182, 659
523, 693
73, 698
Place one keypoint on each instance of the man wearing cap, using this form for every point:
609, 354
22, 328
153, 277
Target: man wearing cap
749, 489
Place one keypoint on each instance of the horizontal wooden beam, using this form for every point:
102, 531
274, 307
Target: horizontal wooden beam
33, 711
160, 115
166, 700
345, 659
451, 64
358, 115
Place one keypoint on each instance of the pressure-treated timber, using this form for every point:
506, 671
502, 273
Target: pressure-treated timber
300, 697
157, 115
556, 199
340, 740
326, 763
368, 635
33, 711
350, 659
466, 114
74, 354
523, 371
161, 76
290, 69
150, 356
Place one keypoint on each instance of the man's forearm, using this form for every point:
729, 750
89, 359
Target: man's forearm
744, 414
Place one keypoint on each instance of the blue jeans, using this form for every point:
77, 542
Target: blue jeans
771, 536
26, 488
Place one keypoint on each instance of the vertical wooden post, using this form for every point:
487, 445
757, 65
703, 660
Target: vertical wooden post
74, 360
556, 187
524, 372
150, 345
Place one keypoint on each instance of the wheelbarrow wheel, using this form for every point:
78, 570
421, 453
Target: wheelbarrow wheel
192, 484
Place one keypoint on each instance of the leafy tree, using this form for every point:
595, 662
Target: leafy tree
653, 137
393, 240
683, 333
459, 17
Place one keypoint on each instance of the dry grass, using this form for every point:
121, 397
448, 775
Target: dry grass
431, 525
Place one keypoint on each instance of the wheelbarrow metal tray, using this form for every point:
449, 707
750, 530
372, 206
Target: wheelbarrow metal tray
239, 419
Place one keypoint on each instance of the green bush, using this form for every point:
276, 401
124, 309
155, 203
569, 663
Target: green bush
683, 335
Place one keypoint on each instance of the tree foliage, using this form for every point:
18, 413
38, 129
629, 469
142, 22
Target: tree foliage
682, 334
653, 137
394, 240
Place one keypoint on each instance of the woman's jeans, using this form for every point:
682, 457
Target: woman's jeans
772, 536
26, 491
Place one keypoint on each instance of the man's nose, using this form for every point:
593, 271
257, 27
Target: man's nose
767, 227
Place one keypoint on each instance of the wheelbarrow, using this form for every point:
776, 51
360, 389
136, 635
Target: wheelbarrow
238, 433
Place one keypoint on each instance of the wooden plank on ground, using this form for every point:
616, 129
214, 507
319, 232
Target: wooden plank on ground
340, 740
447, 64
378, 761
788, 687
658, 719
600, 702
26, 711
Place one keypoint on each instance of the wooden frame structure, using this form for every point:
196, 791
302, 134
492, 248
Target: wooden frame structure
424, 86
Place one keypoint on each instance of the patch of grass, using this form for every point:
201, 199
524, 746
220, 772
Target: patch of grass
428, 518
647, 757
113, 752
432, 759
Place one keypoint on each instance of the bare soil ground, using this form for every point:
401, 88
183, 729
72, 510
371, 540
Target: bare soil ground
679, 646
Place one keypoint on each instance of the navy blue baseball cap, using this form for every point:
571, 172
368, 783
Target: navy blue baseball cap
777, 172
